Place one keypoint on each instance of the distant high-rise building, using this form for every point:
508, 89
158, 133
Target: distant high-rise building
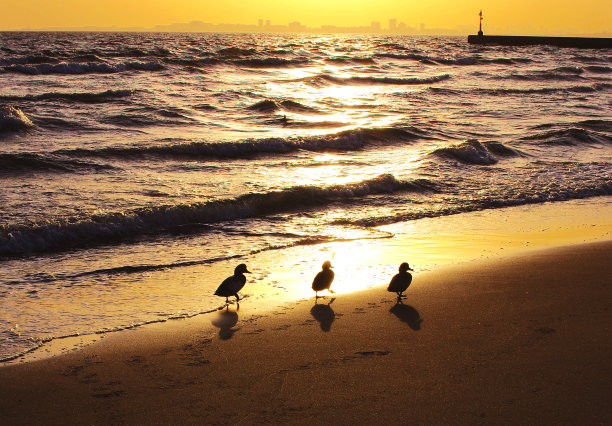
392, 24
260, 23
267, 22
296, 26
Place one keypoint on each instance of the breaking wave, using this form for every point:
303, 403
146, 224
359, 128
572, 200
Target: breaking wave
474, 152
126, 226
148, 116
84, 68
349, 140
590, 189
270, 62
322, 79
287, 105
85, 97
13, 119
572, 136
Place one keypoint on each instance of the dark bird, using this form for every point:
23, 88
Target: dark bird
323, 280
400, 282
232, 285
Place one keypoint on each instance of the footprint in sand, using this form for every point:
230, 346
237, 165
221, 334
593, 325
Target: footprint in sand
107, 391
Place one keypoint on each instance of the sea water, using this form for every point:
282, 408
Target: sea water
126, 157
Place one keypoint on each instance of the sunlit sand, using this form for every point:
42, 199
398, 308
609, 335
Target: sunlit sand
463, 330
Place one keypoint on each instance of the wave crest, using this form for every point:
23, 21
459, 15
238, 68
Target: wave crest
85, 97
269, 105
13, 119
572, 136
236, 51
467, 60
474, 152
84, 68
121, 226
270, 62
323, 79
349, 140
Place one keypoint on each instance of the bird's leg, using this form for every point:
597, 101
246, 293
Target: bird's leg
226, 300
237, 298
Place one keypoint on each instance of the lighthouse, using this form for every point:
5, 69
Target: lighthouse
480, 30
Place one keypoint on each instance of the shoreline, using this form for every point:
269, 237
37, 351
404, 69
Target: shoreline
501, 336
492, 341
465, 238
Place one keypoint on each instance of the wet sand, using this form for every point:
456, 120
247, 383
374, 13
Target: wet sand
521, 339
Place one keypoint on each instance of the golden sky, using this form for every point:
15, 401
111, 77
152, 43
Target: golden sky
509, 16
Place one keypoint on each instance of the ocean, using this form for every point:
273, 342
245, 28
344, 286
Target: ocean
126, 157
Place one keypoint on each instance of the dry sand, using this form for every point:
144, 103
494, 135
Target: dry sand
520, 340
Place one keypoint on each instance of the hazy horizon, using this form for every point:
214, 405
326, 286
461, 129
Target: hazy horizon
373, 27
390, 16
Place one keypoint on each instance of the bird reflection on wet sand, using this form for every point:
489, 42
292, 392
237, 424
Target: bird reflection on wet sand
407, 314
324, 314
225, 322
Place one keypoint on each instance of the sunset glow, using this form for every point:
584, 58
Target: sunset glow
518, 16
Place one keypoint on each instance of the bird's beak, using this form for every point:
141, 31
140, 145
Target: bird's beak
247, 271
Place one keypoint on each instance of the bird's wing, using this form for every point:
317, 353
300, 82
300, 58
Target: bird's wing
234, 284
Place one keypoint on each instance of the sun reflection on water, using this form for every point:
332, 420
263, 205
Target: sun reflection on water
335, 107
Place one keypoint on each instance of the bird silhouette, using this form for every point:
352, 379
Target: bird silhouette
232, 285
401, 281
323, 280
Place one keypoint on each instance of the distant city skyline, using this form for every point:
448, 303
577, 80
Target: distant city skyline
546, 17
374, 27
392, 26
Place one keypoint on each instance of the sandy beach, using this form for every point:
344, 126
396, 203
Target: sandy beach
513, 339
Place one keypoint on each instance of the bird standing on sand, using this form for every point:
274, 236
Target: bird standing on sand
323, 279
232, 285
400, 282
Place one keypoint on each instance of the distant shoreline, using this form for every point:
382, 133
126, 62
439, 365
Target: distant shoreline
284, 29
